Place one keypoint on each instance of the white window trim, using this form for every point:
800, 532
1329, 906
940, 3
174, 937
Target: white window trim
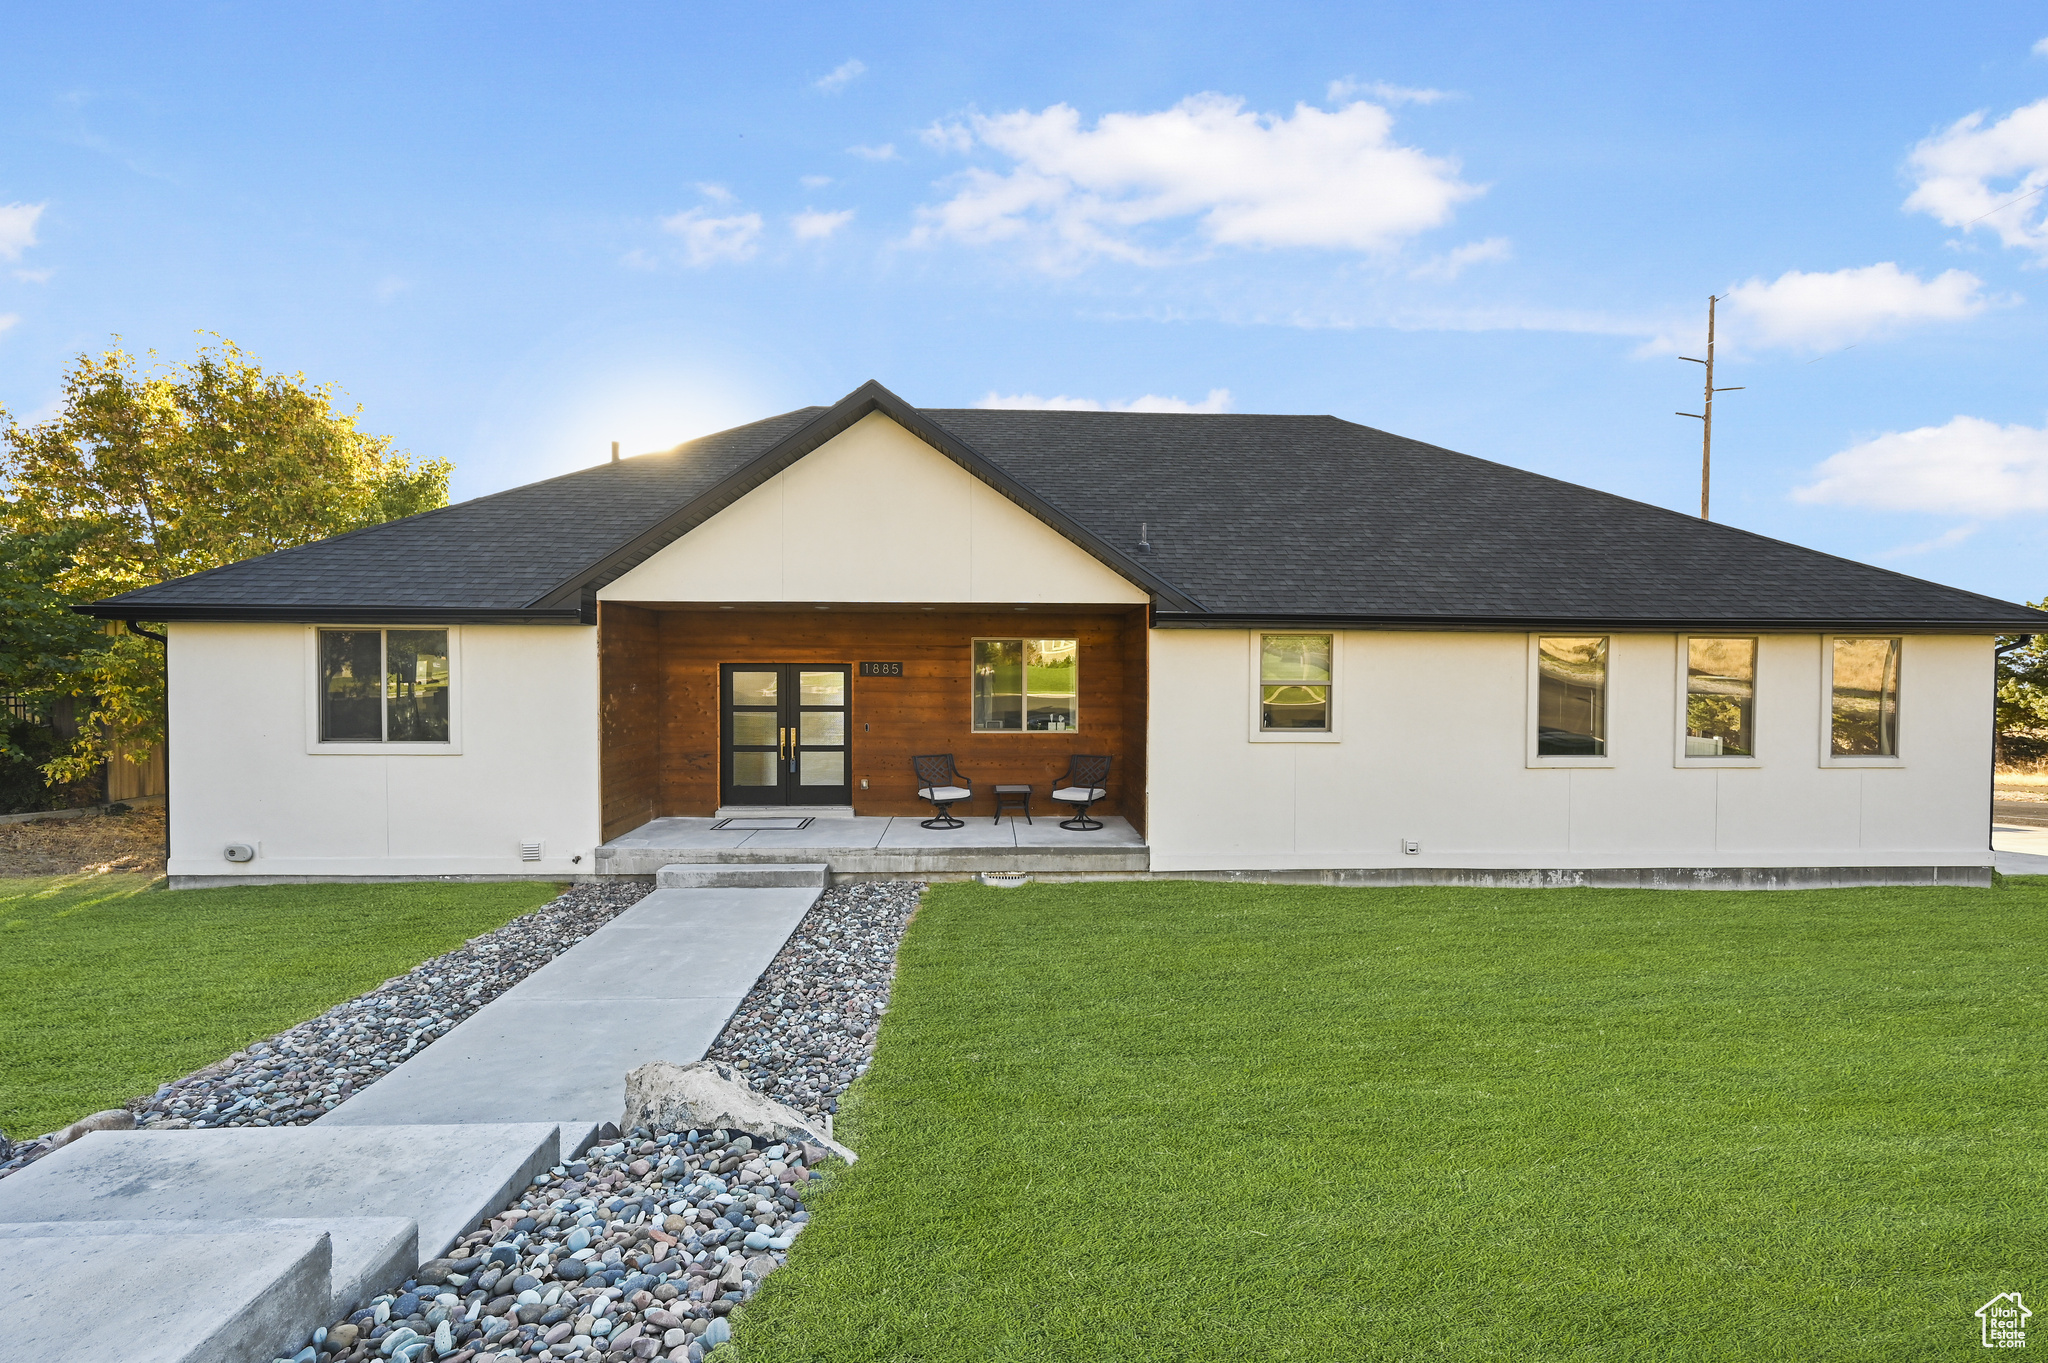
1333, 734
1827, 700
1678, 757
1535, 701
452, 748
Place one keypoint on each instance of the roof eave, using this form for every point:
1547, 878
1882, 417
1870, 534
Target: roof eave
2016, 624
115, 609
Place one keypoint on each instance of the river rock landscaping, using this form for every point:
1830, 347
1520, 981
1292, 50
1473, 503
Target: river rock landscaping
807, 1029
641, 1248
308, 1070
644, 1246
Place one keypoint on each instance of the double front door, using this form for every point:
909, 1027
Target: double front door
787, 734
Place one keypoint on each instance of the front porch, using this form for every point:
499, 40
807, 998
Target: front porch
886, 846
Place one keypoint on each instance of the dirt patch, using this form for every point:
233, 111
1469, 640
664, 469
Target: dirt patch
63, 847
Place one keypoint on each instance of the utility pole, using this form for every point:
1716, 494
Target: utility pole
1705, 416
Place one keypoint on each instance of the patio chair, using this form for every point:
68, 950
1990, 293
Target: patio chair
1086, 781
939, 781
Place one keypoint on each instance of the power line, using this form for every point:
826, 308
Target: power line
2007, 204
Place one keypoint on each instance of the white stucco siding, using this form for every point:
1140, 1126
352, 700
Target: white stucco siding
1433, 745
240, 769
874, 514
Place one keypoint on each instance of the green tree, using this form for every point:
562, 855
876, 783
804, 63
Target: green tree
2022, 707
144, 476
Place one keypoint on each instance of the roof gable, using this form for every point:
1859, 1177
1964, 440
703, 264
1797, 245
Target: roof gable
874, 514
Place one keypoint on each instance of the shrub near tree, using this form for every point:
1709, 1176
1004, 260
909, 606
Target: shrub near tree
147, 475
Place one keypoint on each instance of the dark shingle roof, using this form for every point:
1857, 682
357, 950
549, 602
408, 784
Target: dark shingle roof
1252, 518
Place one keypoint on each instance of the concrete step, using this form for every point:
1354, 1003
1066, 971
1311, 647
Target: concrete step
234, 1297
445, 1178
742, 876
659, 982
369, 1252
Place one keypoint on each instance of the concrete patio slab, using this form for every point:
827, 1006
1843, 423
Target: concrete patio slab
909, 834
659, 982
184, 1299
824, 833
443, 1177
1115, 832
369, 1252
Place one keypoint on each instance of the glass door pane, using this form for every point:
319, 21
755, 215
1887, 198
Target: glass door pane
820, 738
754, 735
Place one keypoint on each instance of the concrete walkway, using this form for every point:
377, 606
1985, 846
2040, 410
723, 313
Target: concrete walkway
659, 982
2021, 850
225, 1246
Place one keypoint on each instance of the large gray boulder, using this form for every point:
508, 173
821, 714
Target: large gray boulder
708, 1095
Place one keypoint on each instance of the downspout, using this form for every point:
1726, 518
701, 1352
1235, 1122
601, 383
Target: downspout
164, 640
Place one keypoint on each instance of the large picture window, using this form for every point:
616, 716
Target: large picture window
1294, 683
1864, 701
1720, 698
384, 686
1571, 696
1027, 685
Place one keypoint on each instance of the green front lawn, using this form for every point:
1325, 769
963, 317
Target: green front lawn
110, 985
1178, 1121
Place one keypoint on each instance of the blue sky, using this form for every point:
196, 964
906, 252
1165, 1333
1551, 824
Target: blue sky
516, 232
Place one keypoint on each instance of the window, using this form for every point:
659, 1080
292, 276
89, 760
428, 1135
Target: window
1571, 696
1863, 699
1027, 684
1294, 683
1720, 698
384, 686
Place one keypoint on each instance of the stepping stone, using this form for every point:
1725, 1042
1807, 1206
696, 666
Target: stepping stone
370, 1252
445, 1178
228, 1298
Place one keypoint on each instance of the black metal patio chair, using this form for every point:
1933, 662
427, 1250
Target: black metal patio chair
939, 781
1086, 781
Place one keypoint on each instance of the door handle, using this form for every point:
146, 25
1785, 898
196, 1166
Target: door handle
784, 742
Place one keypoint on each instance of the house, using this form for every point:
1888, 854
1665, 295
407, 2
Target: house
1313, 649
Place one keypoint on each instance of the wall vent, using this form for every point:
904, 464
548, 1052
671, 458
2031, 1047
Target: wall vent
530, 849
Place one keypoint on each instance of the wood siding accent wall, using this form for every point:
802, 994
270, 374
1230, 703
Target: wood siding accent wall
925, 710
629, 717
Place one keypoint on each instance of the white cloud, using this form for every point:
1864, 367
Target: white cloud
954, 137
885, 152
1972, 176
812, 225
1351, 88
1333, 180
35, 276
835, 80
1217, 401
389, 287
716, 193
707, 239
814, 181
18, 228
1452, 263
1817, 311
8, 319
2041, 48
1947, 539
1969, 467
